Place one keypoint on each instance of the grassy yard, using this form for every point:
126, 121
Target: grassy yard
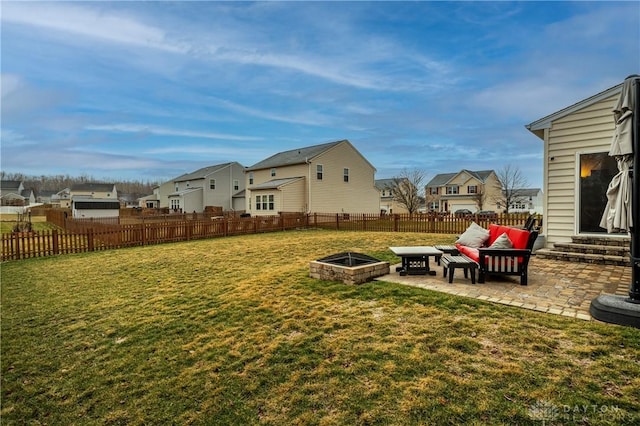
232, 331
39, 223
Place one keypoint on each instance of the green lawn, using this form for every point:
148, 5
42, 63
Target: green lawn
38, 223
233, 331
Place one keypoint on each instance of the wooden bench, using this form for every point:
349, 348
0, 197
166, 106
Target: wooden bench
450, 263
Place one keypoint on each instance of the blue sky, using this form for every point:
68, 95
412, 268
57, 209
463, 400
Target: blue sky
152, 90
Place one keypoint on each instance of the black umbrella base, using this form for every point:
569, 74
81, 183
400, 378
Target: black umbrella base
616, 310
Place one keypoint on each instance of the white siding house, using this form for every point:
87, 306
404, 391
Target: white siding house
577, 167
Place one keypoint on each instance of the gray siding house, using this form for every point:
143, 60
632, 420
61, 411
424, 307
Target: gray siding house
214, 186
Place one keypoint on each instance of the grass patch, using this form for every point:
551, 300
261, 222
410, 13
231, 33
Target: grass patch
233, 331
38, 223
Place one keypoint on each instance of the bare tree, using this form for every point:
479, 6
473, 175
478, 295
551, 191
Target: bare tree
406, 189
479, 198
513, 186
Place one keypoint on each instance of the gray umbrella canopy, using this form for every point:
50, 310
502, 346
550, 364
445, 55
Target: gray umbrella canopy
617, 215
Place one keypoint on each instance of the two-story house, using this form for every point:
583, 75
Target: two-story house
528, 200
94, 200
13, 193
388, 202
466, 189
215, 186
62, 199
327, 178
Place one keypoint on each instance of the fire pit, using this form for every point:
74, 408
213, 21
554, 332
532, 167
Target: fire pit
348, 267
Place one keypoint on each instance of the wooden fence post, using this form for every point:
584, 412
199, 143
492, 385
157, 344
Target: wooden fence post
90, 245
337, 221
17, 256
395, 222
188, 230
55, 242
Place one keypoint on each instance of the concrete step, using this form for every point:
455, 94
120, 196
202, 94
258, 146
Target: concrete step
623, 241
602, 259
616, 250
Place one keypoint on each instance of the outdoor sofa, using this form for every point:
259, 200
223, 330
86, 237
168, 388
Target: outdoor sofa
500, 250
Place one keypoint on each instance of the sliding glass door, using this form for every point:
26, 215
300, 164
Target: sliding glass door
596, 171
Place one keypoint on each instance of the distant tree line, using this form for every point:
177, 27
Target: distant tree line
57, 183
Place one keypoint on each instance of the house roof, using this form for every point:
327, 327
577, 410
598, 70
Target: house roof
10, 185
528, 192
444, 178
275, 183
184, 192
92, 186
383, 183
538, 126
294, 156
201, 173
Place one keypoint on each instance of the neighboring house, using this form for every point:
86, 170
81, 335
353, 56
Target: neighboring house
44, 197
62, 199
466, 189
577, 167
529, 200
388, 203
13, 193
94, 200
327, 178
213, 186
151, 201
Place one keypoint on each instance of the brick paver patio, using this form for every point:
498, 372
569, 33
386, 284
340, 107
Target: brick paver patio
555, 286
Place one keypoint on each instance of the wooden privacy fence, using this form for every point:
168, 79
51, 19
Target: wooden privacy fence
86, 235
427, 223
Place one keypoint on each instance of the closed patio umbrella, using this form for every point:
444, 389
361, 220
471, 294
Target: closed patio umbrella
617, 216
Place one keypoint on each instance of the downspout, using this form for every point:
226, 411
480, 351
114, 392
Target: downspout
306, 160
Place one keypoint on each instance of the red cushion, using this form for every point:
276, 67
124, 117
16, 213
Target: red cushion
470, 252
519, 237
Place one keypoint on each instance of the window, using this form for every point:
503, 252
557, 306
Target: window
250, 178
454, 189
177, 188
472, 189
212, 184
434, 205
273, 172
433, 191
265, 202
187, 184
346, 175
236, 184
319, 171
175, 204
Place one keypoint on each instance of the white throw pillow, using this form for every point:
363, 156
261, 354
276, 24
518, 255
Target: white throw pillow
502, 242
475, 236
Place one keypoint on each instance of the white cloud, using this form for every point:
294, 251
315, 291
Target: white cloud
164, 131
87, 22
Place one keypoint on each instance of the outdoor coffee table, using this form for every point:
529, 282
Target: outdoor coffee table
450, 263
415, 260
